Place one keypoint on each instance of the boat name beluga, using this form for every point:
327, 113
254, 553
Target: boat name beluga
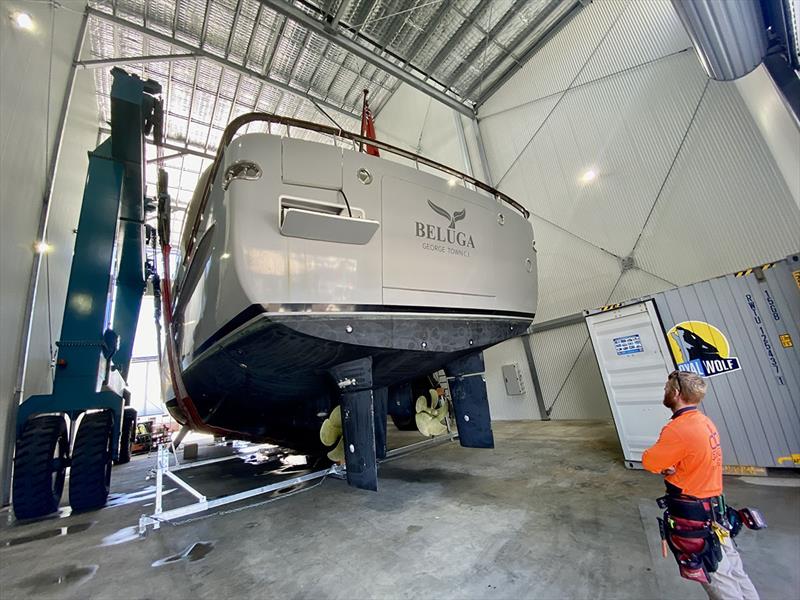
451, 236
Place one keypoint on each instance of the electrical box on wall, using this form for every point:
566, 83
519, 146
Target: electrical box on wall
513, 380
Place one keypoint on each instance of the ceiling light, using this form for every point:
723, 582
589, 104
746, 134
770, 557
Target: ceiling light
42, 247
589, 176
452, 181
22, 20
225, 256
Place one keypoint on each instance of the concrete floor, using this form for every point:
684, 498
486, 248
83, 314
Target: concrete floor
550, 513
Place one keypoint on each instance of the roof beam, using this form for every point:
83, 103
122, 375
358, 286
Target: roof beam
518, 41
126, 60
318, 27
490, 35
415, 47
445, 50
228, 64
339, 14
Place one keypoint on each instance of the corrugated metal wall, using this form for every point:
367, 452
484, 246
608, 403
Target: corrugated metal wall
416, 122
685, 183
568, 374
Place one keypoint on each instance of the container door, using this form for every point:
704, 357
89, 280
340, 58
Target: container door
634, 360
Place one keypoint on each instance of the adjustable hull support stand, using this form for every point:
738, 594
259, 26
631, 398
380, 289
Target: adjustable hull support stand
354, 381
467, 382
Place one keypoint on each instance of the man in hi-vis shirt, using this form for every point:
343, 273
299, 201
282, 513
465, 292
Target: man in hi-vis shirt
689, 454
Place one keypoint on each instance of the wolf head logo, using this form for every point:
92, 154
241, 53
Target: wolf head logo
456, 216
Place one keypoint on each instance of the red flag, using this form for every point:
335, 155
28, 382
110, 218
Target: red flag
368, 126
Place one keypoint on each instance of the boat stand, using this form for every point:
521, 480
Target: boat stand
203, 504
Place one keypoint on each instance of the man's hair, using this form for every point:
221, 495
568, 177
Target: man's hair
691, 386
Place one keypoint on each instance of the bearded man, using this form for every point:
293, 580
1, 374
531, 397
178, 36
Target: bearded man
689, 455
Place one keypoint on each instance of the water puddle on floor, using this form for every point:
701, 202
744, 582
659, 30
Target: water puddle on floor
193, 553
43, 535
68, 575
147, 493
124, 535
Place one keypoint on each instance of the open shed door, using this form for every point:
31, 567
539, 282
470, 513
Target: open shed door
634, 360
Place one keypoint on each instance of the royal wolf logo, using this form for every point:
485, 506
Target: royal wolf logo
457, 216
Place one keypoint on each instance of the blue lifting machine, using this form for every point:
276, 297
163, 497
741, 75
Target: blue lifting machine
80, 424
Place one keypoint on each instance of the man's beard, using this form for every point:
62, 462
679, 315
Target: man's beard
670, 400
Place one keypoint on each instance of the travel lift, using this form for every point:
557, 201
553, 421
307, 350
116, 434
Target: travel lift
106, 285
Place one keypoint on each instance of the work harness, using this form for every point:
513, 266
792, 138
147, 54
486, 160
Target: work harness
695, 529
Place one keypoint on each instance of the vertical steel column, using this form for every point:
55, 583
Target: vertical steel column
537, 386
487, 174
7, 449
462, 142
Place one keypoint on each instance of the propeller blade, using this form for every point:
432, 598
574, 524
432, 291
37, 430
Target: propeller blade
428, 425
337, 454
336, 417
331, 429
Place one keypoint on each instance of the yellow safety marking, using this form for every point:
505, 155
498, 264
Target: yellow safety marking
786, 340
744, 273
610, 307
767, 266
794, 458
796, 275
743, 470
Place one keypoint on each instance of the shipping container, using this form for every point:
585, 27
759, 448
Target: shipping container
740, 332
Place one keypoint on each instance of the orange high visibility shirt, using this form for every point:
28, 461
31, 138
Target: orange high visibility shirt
689, 443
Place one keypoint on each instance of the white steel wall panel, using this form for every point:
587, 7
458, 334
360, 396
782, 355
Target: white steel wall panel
572, 273
582, 396
568, 374
627, 128
554, 66
412, 120
725, 205
635, 284
502, 406
685, 181
506, 134
440, 138
646, 31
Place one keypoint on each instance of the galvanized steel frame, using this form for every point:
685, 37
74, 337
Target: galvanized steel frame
318, 27
203, 54
517, 43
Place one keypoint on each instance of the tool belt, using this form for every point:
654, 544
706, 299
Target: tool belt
692, 528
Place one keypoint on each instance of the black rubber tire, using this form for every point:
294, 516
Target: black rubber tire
40, 464
90, 474
127, 433
409, 424
419, 387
